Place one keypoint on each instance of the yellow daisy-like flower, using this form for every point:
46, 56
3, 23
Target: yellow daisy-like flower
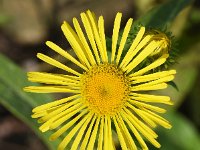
108, 97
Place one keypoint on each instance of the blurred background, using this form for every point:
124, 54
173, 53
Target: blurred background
25, 25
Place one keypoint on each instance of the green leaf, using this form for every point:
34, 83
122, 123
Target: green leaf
186, 76
18, 102
182, 136
163, 15
173, 84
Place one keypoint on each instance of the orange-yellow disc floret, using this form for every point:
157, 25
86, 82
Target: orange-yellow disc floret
105, 89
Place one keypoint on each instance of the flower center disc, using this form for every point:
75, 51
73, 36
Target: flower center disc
105, 89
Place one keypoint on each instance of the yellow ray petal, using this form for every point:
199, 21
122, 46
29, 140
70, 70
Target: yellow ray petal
64, 53
80, 133
89, 135
64, 128
141, 130
50, 118
75, 78
38, 115
55, 103
90, 35
57, 64
144, 53
110, 139
153, 65
100, 139
144, 117
49, 110
158, 119
135, 132
46, 111
60, 109
83, 40
136, 41
71, 134
142, 99
140, 47
75, 43
116, 28
127, 136
120, 136
153, 99
38, 76
54, 120
106, 139
152, 76
55, 82
102, 36
148, 88
94, 134
65, 115
140, 125
47, 78
157, 81
96, 35
152, 79
148, 106
123, 39
50, 89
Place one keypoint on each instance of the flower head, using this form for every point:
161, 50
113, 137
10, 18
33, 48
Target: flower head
108, 91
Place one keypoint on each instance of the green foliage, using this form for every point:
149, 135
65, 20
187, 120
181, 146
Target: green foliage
183, 135
162, 16
173, 84
12, 97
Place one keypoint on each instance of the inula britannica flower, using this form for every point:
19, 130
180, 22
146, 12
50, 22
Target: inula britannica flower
108, 99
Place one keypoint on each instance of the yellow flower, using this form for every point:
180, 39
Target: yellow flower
107, 95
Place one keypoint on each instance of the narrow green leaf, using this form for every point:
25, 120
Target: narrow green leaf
12, 82
186, 76
173, 84
163, 15
182, 136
